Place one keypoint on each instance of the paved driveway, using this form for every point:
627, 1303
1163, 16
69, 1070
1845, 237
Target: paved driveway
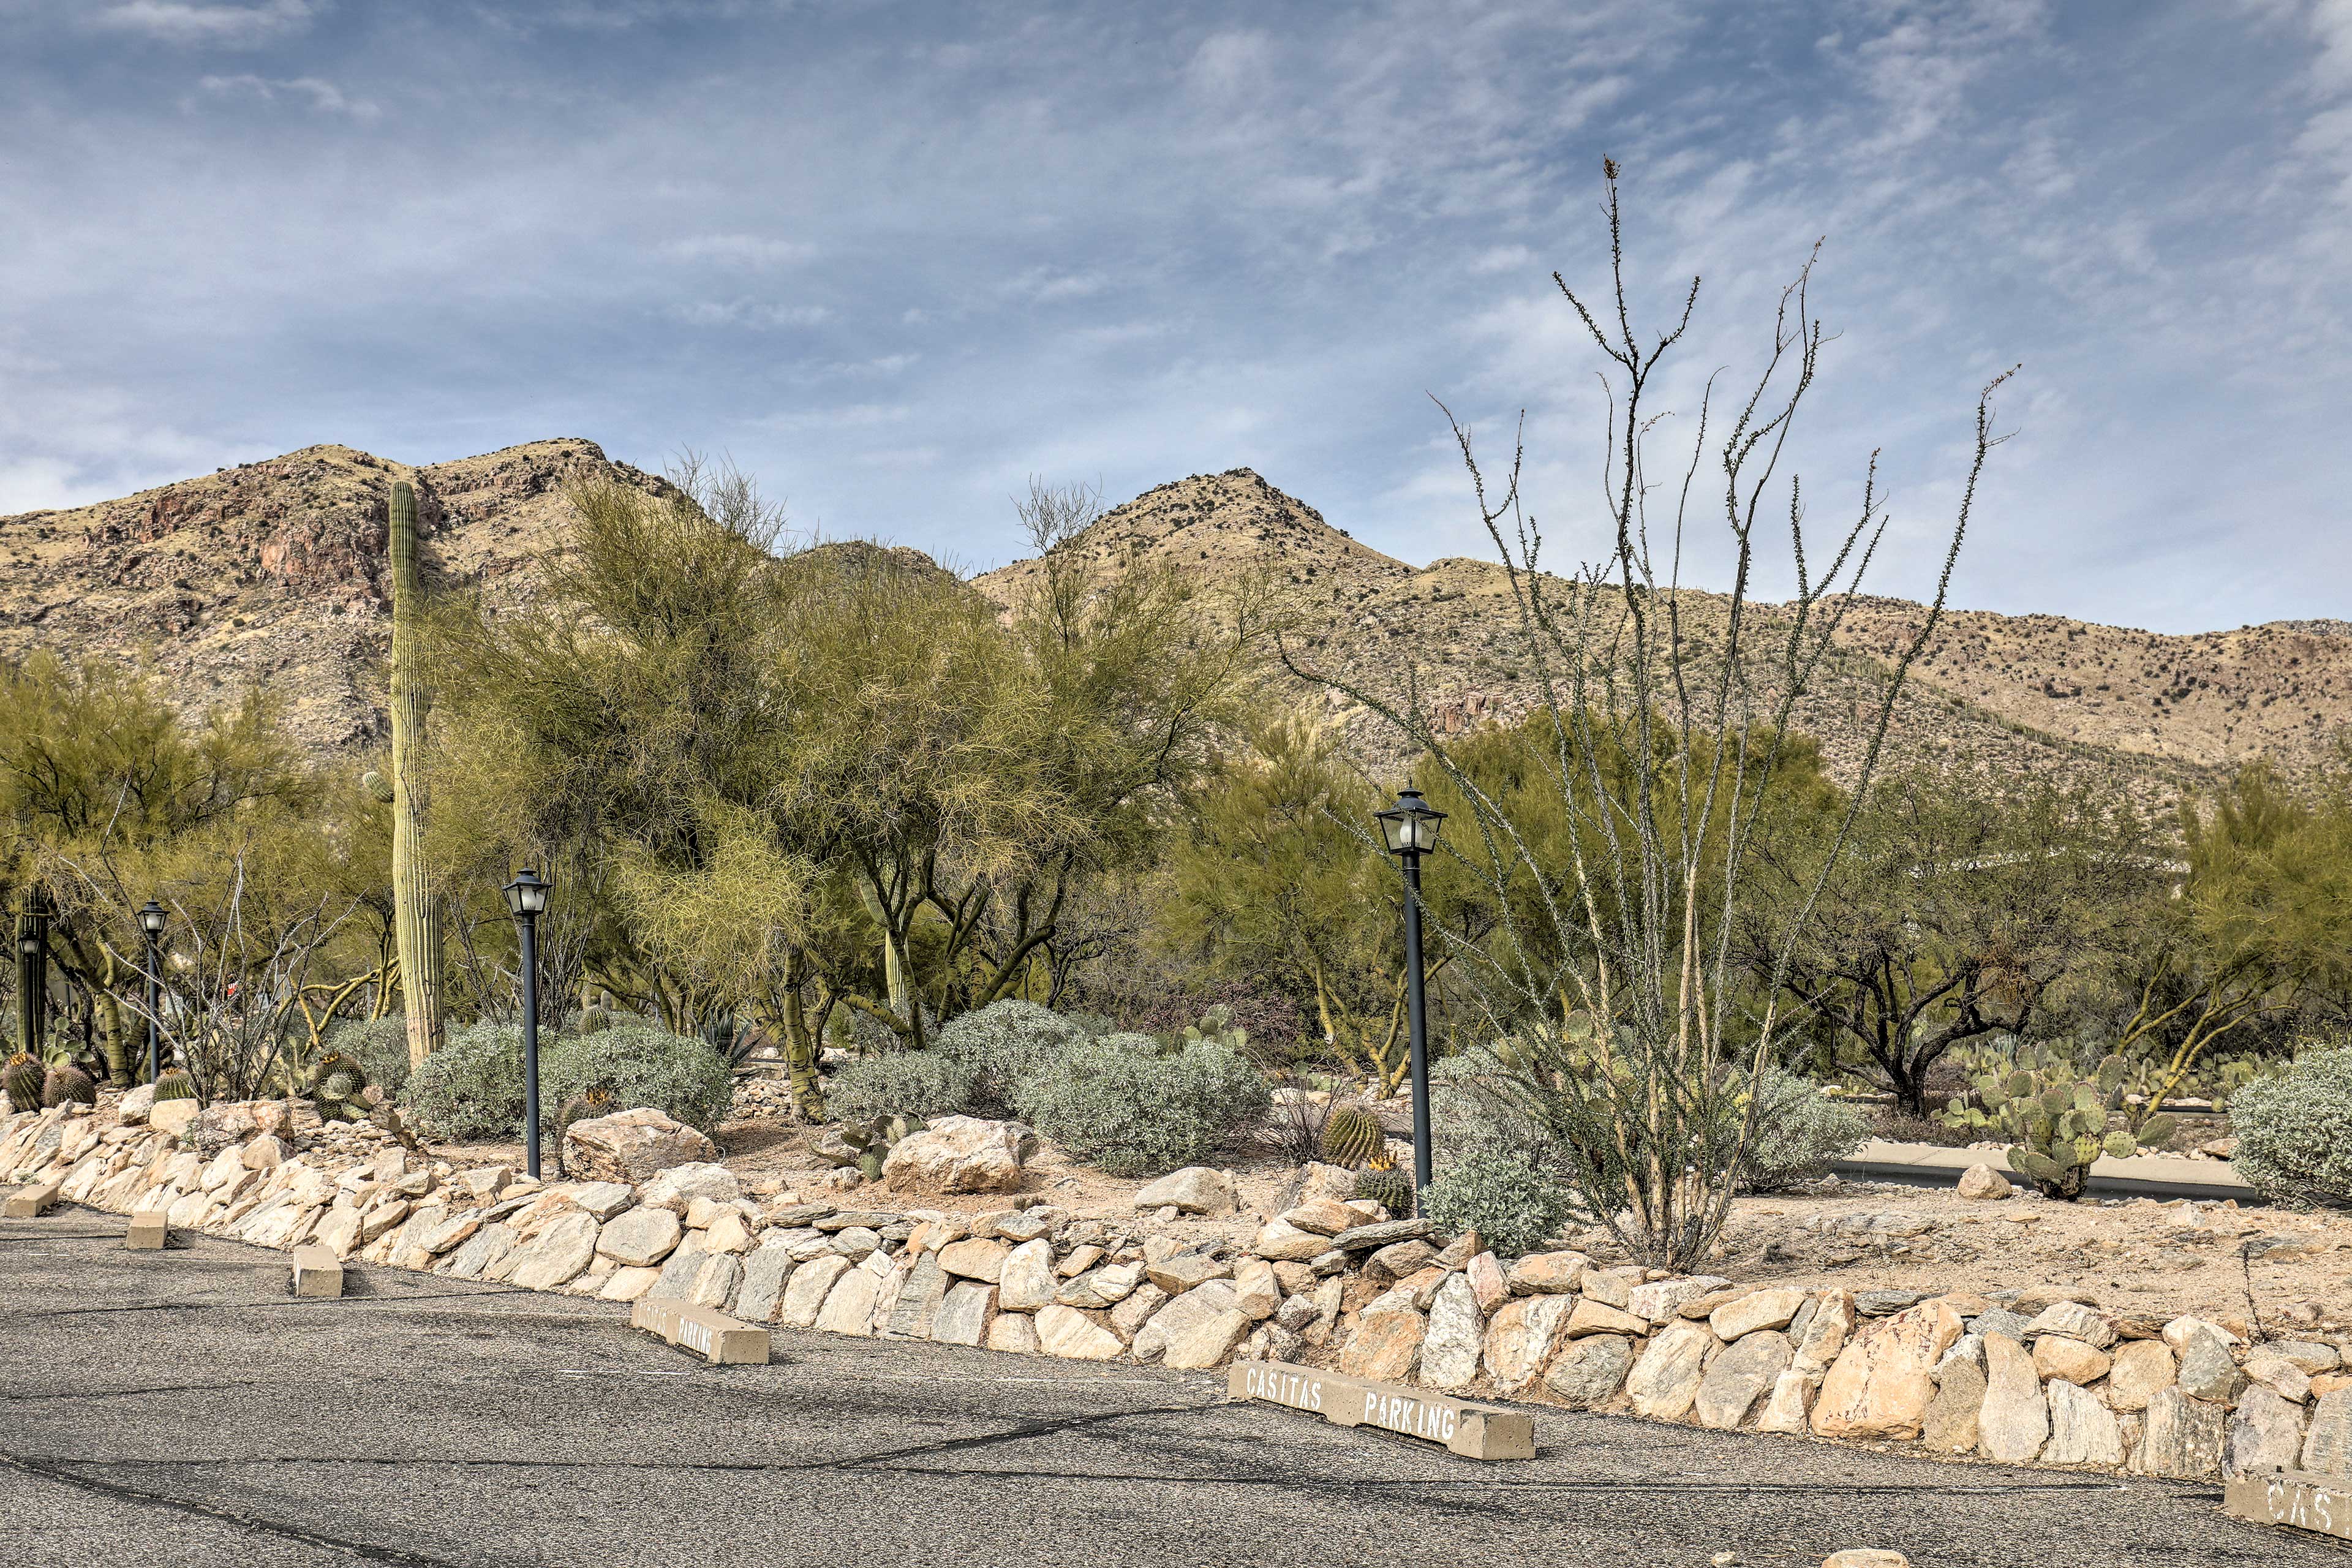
179, 1409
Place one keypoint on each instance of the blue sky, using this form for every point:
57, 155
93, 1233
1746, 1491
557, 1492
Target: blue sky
894, 257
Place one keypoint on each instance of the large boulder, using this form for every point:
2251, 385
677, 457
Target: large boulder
1880, 1384
960, 1154
631, 1146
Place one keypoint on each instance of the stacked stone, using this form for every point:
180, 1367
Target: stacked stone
2020, 1377
2036, 1377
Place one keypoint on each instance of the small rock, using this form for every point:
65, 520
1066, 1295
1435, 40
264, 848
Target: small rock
2074, 1321
1865, 1557
1547, 1273
2015, 1420
976, 1258
1196, 1189
1665, 1378
640, 1238
1025, 1280
1984, 1185
1399, 1261
1449, 1347
1589, 1374
1740, 1376
1488, 1281
1179, 1273
1371, 1237
2055, 1355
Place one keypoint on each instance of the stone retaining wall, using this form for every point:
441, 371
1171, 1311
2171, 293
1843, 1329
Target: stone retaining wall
2040, 1377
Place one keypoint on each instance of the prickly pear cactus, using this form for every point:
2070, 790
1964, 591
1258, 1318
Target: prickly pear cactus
1390, 1188
67, 1082
863, 1146
336, 1085
173, 1083
1353, 1137
2057, 1118
21, 1079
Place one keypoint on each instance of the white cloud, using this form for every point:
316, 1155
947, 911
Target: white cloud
324, 96
751, 313
181, 22
750, 251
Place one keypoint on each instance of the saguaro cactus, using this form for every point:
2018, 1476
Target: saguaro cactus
416, 914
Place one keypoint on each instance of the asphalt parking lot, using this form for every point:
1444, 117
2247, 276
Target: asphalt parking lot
179, 1408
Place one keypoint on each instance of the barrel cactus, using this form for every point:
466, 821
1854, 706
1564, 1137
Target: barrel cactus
21, 1079
67, 1083
597, 1016
2057, 1119
337, 1084
581, 1107
175, 1083
1389, 1187
1353, 1137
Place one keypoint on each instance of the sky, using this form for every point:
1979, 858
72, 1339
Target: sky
894, 258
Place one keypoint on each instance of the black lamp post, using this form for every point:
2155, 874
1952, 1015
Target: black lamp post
526, 897
1410, 830
150, 921
32, 971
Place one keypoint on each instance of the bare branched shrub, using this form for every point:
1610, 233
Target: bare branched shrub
1611, 992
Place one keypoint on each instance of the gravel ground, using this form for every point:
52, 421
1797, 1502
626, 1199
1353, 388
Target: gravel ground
179, 1408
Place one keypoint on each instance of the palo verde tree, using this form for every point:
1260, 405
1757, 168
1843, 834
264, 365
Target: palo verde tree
101, 780
1648, 1087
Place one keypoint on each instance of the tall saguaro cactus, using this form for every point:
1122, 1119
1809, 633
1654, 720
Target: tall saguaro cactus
416, 914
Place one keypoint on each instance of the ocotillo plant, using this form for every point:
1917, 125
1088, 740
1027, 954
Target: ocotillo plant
416, 916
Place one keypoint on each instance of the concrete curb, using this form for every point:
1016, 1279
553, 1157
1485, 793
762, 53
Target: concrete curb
2141, 1176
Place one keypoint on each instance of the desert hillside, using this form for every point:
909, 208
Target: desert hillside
2148, 713
275, 572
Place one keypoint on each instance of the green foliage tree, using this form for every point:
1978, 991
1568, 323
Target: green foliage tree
1959, 908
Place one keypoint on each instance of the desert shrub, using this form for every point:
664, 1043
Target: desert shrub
381, 1047
1500, 1193
901, 1083
681, 1075
1120, 1106
1002, 1042
472, 1087
2295, 1129
1799, 1131
1472, 1109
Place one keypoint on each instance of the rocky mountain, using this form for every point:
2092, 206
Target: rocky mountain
275, 573
2032, 694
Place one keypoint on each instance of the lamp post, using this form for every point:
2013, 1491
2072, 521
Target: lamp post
150, 921
527, 898
1410, 830
32, 971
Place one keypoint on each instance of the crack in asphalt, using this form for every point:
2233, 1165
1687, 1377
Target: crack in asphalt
127, 1392
59, 1472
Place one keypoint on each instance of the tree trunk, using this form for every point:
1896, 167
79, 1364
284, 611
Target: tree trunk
416, 914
